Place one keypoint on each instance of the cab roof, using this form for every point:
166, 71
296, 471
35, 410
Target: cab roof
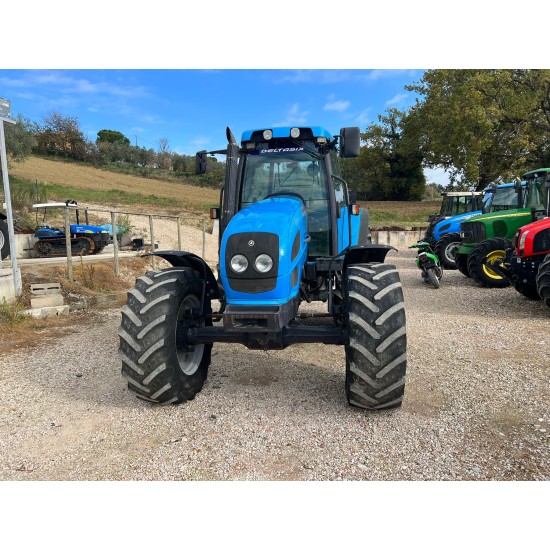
533, 173
284, 132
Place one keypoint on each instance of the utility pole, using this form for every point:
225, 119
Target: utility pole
5, 116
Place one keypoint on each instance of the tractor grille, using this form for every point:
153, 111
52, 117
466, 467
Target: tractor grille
542, 241
251, 245
473, 232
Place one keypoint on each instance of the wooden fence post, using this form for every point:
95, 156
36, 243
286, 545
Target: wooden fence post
115, 243
68, 245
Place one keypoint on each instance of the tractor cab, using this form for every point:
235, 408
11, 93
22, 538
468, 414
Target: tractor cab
302, 164
538, 189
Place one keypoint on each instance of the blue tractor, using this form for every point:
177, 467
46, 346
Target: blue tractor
51, 241
290, 233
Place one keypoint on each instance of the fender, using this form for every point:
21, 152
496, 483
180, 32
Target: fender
187, 259
366, 253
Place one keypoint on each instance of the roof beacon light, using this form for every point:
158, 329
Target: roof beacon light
295, 133
268, 134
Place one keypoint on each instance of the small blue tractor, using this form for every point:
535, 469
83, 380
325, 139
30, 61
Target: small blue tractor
51, 241
290, 233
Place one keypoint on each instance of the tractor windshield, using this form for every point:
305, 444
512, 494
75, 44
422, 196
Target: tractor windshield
504, 198
453, 205
267, 173
536, 193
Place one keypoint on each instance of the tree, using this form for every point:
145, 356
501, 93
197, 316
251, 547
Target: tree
482, 125
61, 135
163, 155
19, 139
112, 136
389, 166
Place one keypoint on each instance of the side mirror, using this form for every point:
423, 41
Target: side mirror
350, 142
200, 162
352, 197
547, 182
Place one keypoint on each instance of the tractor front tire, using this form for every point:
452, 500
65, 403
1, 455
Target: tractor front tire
462, 264
4, 240
376, 352
543, 280
488, 251
156, 369
446, 249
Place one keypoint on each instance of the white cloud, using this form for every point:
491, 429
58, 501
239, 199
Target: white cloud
302, 76
293, 116
336, 104
378, 74
397, 99
67, 84
364, 117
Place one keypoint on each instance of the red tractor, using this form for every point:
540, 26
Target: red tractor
527, 264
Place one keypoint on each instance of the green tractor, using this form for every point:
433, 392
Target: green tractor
486, 238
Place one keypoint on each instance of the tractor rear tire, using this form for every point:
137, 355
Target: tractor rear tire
155, 368
543, 280
529, 291
4, 240
376, 352
446, 249
489, 250
462, 264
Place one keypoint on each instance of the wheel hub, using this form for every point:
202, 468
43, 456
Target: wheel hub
451, 252
189, 357
491, 258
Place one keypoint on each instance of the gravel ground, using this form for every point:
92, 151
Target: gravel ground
475, 408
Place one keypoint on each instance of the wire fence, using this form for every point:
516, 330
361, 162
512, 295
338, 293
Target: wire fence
141, 233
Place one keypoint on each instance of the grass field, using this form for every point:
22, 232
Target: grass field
58, 180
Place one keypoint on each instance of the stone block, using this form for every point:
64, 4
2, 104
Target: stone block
47, 300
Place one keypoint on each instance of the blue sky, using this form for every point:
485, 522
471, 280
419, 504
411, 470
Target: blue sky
192, 107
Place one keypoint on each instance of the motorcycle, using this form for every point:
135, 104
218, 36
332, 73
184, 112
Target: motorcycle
428, 262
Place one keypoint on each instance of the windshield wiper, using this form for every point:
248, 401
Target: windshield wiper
311, 152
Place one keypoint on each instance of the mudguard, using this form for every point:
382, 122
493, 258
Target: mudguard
187, 259
367, 253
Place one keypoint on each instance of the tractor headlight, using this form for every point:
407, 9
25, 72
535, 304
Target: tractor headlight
263, 263
295, 133
521, 245
239, 263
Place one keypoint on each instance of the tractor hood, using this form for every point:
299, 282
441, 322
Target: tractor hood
83, 228
263, 250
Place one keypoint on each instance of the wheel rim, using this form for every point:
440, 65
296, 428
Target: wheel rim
44, 248
451, 251
189, 361
491, 258
2, 241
